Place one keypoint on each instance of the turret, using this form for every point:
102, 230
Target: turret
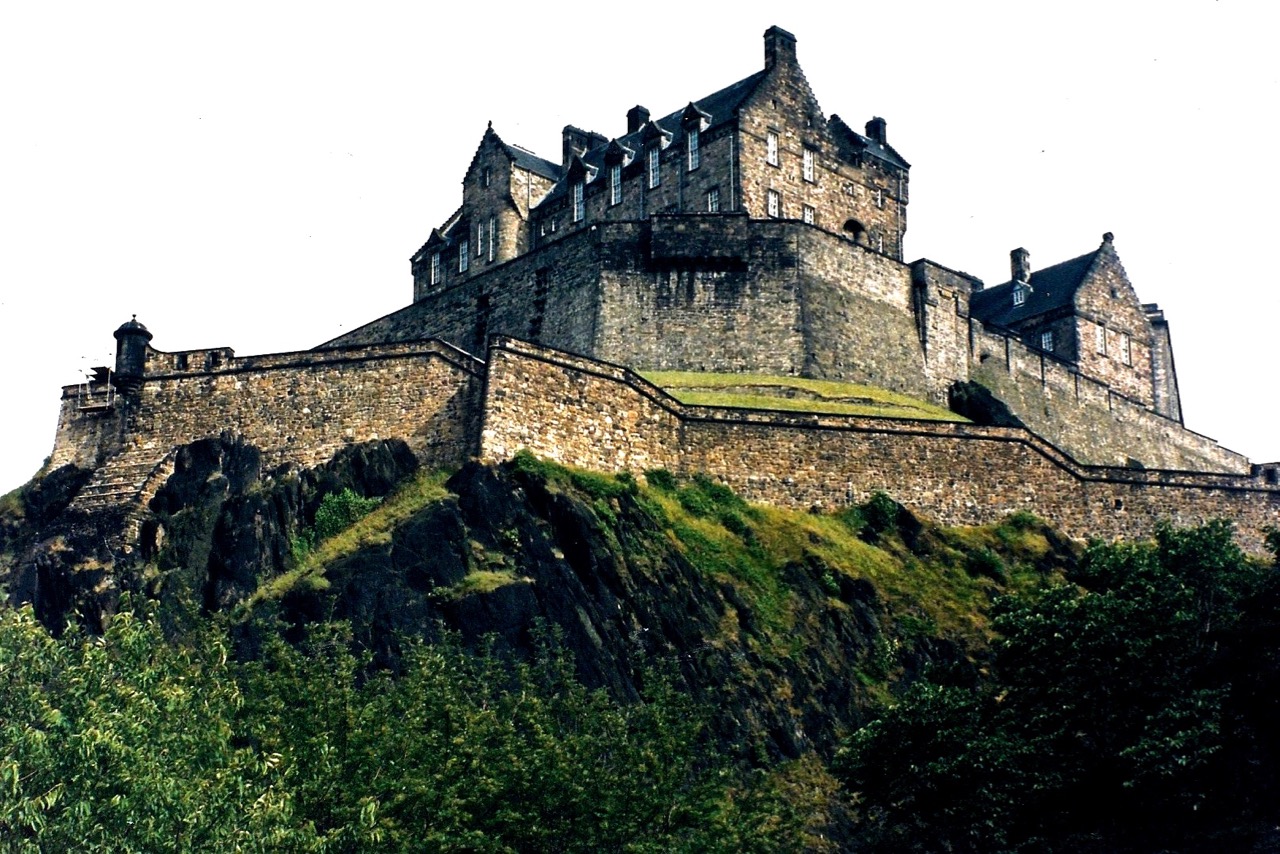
132, 340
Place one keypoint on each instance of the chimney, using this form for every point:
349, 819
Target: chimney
637, 117
779, 47
875, 130
1020, 265
577, 141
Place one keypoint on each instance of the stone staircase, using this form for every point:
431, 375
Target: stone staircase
129, 478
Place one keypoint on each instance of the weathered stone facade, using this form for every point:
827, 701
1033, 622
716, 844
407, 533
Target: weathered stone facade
744, 232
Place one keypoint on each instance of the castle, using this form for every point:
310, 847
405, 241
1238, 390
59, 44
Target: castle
743, 232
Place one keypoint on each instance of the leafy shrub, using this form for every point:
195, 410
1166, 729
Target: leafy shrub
879, 516
984, 562
661, 479
339, 511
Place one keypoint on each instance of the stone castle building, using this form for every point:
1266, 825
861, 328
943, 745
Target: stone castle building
743, 232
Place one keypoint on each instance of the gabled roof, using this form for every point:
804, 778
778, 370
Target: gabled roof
1051, 288
865, 144
527, 160
719, 107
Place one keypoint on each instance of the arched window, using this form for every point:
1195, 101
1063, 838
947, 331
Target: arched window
855, 229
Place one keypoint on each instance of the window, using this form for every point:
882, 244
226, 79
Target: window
615, 184
1126, 350
771, 154
484, 177
808, 214
479, 239
695, 156
464, 256
655, 168
435, 268
808, 165
1019, 295
713, 200
1100, 338
493, 227
879, 242
579, 205
775, 203
879, 198
1046, 341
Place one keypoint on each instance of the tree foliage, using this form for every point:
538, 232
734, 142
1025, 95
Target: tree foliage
133, 743
1114, 713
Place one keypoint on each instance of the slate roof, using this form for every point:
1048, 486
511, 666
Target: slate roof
866, 145
1051, 288
533, 163
721, 106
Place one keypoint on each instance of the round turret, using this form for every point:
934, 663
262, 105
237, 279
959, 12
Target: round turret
132, 339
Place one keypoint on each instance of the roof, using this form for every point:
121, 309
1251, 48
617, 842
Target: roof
866, 145
527, 160
1051, 288
720, 106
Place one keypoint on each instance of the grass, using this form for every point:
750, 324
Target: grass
794, 394
479, 581
371, 530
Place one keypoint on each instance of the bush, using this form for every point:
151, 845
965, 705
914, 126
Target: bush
879, 516
339, 511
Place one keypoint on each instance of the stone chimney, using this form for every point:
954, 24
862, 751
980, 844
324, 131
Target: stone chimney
876, 130
637, 117
779, 47
577, 141
1020, 265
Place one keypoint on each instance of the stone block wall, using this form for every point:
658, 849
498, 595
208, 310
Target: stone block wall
298, 408
584, 413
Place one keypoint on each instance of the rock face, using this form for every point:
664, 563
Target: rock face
508, 556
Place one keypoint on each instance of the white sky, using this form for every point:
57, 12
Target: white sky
256, 175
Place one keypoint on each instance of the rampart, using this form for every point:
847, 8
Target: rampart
298, 408
586, 413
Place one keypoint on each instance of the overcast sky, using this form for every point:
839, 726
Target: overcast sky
256, 175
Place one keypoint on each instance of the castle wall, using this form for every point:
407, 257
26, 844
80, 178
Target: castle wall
583, 413
296, 408
1088, 419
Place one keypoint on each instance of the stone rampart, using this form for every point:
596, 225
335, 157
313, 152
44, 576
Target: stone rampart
585, 413
298, 408
1089, 418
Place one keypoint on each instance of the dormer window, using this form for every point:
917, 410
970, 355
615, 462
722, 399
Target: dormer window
464, 256
1019, 295
771, 148
808, 165
655, 167
615, 184
435, 268
579, 203
1046, 341
695, 156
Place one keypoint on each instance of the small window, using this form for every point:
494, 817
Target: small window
180, 362
713, 200
464, 256
579, 204
479, 239
879, 198
615, 184
484, 177
493, 228
1046, 341
808, 165
1100, 339
809, 214
774, 201
1019, 295
771, 153
655, 168
879, 242
435, 268
695, 156
1126, 349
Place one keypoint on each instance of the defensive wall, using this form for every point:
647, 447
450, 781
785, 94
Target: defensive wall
586, 413
298, 408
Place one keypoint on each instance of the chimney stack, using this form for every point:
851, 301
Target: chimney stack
1020, 265
637, 117
779, 47
876, 130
